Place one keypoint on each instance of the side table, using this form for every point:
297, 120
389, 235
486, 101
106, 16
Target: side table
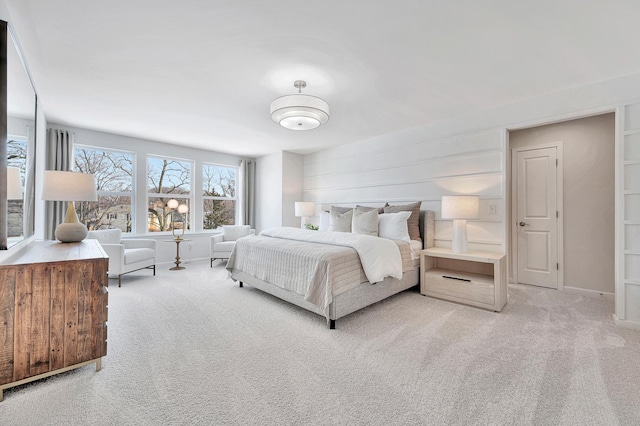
177, 262
474, 278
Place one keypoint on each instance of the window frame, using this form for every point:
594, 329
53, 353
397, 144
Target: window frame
211, 197
189, 197
130, 194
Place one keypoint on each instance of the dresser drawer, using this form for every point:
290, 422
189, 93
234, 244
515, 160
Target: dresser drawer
474, 288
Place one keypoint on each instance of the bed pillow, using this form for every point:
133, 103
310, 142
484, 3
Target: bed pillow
366, 209
340, 222
394, 226
365, 221
414, 219
341, 209
324, 221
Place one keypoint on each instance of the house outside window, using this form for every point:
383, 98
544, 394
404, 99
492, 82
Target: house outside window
167, 179
219, 195
114, 171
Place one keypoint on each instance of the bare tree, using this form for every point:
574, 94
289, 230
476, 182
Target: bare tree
219, 182
114, 173
166, 177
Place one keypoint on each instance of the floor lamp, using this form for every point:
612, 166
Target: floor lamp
69, 186
460, 208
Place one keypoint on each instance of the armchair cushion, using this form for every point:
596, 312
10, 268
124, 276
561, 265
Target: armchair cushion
106, 236
138, 255
222, 244
126, 255
233, 232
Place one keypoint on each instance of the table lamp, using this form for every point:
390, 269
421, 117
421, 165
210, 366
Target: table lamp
305, 209
69, 186
460, 208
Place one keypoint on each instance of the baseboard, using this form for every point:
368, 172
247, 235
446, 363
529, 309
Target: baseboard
590, 293
632, 325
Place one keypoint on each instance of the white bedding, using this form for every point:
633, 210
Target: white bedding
380, 257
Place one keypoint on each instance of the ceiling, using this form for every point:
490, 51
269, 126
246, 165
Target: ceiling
203, 72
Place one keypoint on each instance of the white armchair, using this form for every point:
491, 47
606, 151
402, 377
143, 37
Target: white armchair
222, 244
126, 255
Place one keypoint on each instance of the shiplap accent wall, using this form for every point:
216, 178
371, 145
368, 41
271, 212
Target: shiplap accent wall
408, 171
628, 291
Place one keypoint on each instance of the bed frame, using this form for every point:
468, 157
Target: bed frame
357, 298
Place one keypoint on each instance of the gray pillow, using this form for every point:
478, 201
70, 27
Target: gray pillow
341, 209
414, 220
366, 209
340, 222
365, 221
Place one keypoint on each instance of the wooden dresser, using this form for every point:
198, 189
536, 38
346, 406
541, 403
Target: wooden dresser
53, 310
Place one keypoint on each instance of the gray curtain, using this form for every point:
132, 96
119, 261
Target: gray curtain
59, 150
247, 192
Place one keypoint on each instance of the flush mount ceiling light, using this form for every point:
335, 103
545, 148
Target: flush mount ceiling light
299, 112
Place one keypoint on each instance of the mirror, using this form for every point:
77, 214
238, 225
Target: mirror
20, 144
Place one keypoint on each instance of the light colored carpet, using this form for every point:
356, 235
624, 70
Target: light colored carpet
191, 347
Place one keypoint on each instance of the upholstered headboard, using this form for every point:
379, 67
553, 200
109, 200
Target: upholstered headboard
428, 228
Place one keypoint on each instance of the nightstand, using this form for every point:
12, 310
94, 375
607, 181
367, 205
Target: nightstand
474, 278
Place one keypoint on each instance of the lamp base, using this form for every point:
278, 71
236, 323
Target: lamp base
459, 241
71, 232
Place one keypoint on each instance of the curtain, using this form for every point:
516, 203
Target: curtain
247, 192
59, 150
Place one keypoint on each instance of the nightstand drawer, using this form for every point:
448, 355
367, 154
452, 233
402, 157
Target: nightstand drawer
459, 285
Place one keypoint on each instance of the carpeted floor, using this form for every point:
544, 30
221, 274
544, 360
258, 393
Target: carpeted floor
191, 348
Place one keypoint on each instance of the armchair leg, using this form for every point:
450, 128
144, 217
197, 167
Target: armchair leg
120, 280
154, 270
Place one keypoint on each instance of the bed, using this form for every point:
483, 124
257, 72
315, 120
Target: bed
306, 269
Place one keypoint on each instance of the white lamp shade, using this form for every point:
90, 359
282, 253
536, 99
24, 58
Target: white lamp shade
172, 204
299, 112
69, 186
305, 209
460, 206
14, 184
183, 208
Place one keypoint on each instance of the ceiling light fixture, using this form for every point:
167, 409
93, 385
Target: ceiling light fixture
299, 112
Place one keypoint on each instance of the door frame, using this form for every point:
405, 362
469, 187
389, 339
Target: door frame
559, 205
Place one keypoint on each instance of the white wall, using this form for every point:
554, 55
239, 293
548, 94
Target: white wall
292, 172
588, 147
278, 187
269, 191
468, 154
399, 171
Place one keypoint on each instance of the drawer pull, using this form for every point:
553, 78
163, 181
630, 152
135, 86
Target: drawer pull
456, 278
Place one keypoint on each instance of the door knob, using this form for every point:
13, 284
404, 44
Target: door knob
523, 224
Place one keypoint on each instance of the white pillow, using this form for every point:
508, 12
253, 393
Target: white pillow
394, 226
325, 219
340, 222
365, 222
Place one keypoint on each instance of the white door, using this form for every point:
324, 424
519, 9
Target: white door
536, 217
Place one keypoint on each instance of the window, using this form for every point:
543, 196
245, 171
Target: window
167, 179
16, 157
114, 180
219, 195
